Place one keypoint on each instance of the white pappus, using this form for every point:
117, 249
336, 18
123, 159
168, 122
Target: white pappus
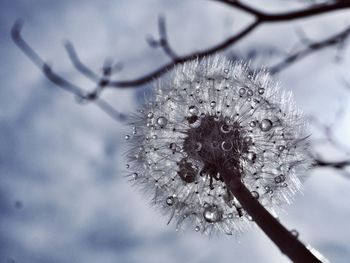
213, 114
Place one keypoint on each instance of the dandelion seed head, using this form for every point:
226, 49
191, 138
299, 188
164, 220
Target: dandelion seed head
214, 114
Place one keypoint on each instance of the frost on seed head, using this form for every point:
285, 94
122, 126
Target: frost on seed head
213, 114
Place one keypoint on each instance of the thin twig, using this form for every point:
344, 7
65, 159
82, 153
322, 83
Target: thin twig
315, 10
260, 18
61, 82
163, 41
311, 47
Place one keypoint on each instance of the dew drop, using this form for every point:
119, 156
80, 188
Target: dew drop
230, 216
225, 128
213, 104
211, 214
266, 125
127, 137
127, 166
294, 232
248, 140
150, 115
194, 121
226, 145
162, 122
250, 92
261, 91
226, 70
170, 200
186, 172
193, 110
251, 156
197, 228
241, 91
134, 132
135, 176
172, 146
154, 137
279, 179
281, 148
252, 124
255, 194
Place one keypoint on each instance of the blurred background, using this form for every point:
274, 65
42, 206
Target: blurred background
63, 196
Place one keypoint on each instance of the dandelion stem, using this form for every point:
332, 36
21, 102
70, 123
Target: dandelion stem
284, 239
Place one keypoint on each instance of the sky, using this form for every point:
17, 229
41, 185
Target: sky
63, 194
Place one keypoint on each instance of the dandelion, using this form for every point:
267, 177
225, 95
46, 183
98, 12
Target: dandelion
212, 118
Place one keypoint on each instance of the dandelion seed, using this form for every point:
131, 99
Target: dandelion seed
211, 116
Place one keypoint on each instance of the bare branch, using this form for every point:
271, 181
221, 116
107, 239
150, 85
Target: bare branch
312, 47
180, 60
61, 82
288, 16
335, 164
163, 41
78, 64
260, 18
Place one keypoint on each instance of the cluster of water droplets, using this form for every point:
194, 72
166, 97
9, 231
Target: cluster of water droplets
214, 113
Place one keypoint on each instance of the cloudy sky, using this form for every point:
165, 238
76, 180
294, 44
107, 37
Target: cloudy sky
63, 197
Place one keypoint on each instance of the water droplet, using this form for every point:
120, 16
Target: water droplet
154, 137
197, 228
261, 91
279, 179
127, 166
250, 92
198, 147
294, 232
266, 125
150, 115
281, 148
212, 104
252, 124
127, 137
134, 132
249, 218
162, 121
251, 156
186, 172
135, 176
248, 140
226, 145
172, 146
255, 194
225, 128
226, 70
267, 188
193, 110
211, 214
170, 200
241, 91
194, 121
230, 216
